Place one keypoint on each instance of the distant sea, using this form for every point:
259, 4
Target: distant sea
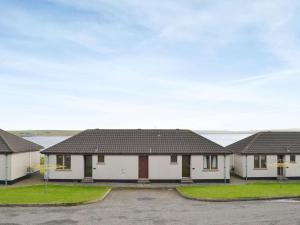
223, 139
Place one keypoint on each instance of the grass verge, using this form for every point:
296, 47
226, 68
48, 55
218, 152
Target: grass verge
240, 192
52, 195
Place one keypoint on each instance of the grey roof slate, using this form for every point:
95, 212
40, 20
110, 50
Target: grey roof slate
268, 143
10, 143
137, 141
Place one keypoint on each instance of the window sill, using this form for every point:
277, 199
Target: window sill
260, 169
63, 170
173, 163
210, 170
100, 163
293, 162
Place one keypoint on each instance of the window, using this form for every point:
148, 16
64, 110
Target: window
292, 158
100, 158
260, 161
210, 162
63, 162
173, 158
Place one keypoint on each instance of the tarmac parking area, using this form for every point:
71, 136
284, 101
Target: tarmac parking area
156, 207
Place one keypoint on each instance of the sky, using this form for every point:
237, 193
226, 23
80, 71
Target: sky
198, 64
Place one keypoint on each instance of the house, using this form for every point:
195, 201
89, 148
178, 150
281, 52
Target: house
133, 155
18, 157
267, 155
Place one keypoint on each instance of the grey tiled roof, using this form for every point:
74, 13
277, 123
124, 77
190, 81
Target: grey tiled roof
138, 141
268, 143
10, 143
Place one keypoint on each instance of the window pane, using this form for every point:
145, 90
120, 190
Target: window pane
263, 161
292, 158
256, 161
67, 162
59, 162
100, 158
214, 162
173, 158
206, 163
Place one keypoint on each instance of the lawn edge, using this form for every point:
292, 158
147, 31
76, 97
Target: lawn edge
60, 204
236, 199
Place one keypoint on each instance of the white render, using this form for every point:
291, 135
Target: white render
2, 167
115, 167
161, 168
198, 173
15, 165
244, 167
75, 173
125, 167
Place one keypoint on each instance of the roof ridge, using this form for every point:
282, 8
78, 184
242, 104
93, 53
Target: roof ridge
251, 142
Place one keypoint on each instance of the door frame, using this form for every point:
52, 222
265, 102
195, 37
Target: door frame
143, 159
183, 166
85, 165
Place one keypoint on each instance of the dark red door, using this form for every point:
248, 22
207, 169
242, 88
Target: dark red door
143, 166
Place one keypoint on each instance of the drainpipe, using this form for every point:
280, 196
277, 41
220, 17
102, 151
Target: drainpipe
224, 168
6, 168
246, 167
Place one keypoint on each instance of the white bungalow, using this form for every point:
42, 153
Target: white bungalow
138, 155
18, 158
267, 155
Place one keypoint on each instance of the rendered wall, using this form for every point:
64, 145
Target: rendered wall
239, 165
198, 172
20, 162
76, 171
2, 166
161, 168
123, 167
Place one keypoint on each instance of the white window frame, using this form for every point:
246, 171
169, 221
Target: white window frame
64, 162
210, 162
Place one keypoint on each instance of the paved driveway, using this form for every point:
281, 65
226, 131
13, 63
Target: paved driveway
156, 207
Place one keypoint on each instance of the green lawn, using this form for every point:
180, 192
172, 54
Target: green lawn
54, 194
244, 191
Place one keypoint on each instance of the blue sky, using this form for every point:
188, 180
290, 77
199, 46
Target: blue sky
73, 64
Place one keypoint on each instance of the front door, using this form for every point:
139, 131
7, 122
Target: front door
280, 159
143, 166
186, 166
88, 166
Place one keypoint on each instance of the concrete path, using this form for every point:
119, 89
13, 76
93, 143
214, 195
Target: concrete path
147, 207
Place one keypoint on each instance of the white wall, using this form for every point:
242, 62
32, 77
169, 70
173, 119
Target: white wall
293, 169
124, 167
232, 161
20, 162
239, 165
270, 171
2, 167
197, 171
76, 171
161, 168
